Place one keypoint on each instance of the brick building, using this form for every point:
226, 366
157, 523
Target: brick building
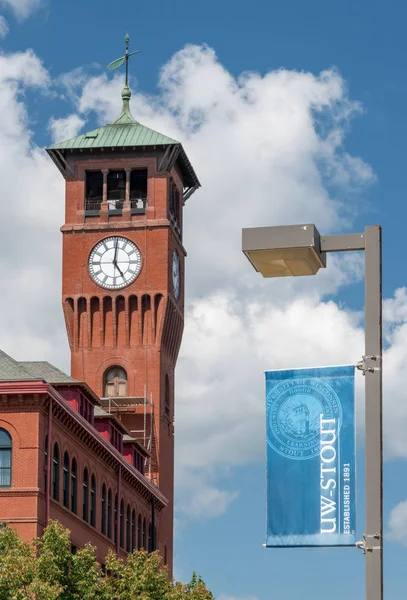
96, 449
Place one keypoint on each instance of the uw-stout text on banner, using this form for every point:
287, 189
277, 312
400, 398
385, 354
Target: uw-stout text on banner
311, 457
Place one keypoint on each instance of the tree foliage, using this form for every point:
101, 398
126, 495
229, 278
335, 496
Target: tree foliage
46, 570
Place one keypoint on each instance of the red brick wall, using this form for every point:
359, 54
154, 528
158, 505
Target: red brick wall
23, 505
19, 504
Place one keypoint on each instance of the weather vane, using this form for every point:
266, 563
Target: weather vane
116, 64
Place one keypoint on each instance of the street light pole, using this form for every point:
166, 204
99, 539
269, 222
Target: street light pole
373, 415
299, 250
371, 365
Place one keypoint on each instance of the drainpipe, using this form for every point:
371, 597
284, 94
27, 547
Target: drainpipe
49, 459
153, 540
119, 491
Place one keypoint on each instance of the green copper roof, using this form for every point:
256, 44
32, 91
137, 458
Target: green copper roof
123, 132
116, 135
126, 132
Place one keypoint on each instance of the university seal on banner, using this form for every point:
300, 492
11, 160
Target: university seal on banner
294, 411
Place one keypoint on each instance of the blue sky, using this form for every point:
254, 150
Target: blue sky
353, 177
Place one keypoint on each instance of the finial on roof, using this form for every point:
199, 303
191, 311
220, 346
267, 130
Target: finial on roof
126, 116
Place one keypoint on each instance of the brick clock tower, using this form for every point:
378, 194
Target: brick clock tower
123, 279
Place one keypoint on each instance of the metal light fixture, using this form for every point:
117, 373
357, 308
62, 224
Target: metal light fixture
284, 251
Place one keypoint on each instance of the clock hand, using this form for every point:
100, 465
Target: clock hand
119, 269
115, 253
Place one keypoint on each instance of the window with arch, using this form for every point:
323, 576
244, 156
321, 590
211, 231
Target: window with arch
121, 531
45, 463
139, 535
150, 539
128, 540
144, 535
109, 514
93, 501
6, 447
74, 486
103, 511
85, 495
115, 382
133, 530
65, 482
55, 475
115, 521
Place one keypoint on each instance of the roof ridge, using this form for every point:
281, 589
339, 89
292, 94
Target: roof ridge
119, 133
17, 364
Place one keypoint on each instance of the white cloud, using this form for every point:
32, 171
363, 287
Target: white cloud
30, 244
227, 597
227, 347
202, 498
66, 128
398, 523
267, 150
3, 27
22, 8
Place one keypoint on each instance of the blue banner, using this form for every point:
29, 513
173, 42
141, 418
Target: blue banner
311, 457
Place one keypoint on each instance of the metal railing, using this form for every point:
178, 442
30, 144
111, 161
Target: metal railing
115, 205
93, 205
174, 223
138, 205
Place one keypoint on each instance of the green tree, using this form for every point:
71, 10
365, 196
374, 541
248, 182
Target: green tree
46, 570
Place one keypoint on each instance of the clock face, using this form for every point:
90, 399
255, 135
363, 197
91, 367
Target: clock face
114, 262
175, 275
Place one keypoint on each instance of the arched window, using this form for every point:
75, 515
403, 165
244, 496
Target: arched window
93, 501
109, 514
150, 539
66, 480
115, 382
139, 538
167, 397
133, 530
154, 542
55, 478
115, 519
103, 511
121, 523
128, 540
74, 487
45, 463
5, 458
144, 535
85, 495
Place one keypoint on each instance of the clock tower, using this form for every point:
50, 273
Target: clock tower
123, 279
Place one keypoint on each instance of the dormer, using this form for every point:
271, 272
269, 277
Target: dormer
81, 398
110, 428
135, 453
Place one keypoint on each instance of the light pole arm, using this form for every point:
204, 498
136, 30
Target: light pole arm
345, 242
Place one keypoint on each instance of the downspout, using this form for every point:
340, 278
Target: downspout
153, 540
48, 467
118, 516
